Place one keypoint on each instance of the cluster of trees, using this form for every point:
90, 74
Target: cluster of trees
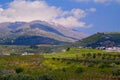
94, 58
102, 57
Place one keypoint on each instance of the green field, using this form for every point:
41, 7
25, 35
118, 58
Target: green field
73, 64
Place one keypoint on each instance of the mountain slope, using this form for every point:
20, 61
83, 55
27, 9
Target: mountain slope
37, 32
107, 39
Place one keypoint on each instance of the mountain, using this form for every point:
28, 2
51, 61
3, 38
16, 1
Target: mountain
37, 32
106, 39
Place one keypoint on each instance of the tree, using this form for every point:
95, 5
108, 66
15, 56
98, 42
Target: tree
68, 49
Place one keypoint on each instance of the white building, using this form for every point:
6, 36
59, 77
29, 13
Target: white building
113, 49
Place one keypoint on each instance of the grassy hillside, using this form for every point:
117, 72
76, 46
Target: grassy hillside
107, 39
74, 64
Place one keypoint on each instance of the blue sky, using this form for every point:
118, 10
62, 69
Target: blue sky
88, 16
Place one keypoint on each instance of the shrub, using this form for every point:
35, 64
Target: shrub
90, 64
116, 72
68, 49
83, 55
68, 62
19, 70
45, 77
103, 65
53, 58
17, 77
64, 69
112, 64
79, 70
94, 55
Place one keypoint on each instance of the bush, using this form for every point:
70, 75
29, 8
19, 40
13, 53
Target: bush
90, 64
79, 70
45, 77
112, 64
26, 77
94, 55
103, 66
64, 69
116, 72
19, 70
68, 49
17, 77
68, 62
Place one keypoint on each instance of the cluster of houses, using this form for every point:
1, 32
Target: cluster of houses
25, 53
109, 49
113, 49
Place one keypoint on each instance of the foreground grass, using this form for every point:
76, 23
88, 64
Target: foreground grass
75, 64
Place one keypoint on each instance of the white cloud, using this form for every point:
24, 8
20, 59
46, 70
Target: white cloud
72, 18
24, 10
92, 9
27, 11
78, 13
82, 0
118, 1
70, 21
102, 1
1, 9
99, 1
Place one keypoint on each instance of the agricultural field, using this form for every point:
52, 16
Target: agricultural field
73, 64
18, 50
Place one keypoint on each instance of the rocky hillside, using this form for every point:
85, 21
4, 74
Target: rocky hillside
37, 32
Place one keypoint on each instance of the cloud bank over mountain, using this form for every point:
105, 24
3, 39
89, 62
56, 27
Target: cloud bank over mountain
27, 10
